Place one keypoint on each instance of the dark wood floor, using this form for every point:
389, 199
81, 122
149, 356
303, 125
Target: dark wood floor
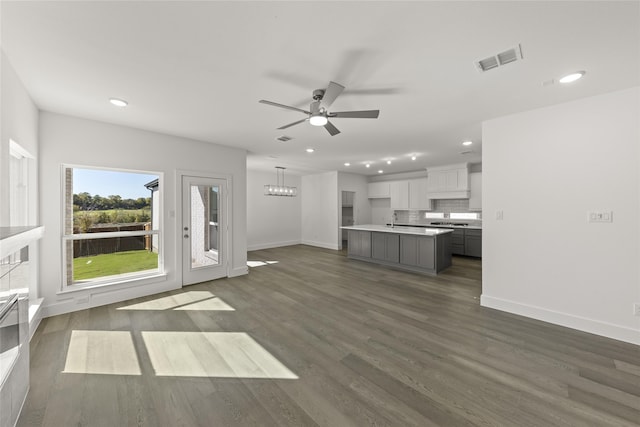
368, 345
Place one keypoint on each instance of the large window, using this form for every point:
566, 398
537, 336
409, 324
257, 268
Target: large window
112, 227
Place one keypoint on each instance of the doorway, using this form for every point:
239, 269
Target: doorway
204, 229
347, 215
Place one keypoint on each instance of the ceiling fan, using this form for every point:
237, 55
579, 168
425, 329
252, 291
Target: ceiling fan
318, 114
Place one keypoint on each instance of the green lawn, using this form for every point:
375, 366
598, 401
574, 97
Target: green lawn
111, 264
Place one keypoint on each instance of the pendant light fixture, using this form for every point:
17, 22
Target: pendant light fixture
280, 189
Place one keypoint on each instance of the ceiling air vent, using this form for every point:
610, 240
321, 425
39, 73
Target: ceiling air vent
487, 64
499, 59
284, 138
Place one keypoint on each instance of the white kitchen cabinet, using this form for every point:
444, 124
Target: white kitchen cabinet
475, 191
399, 191
378, 190
448, 182
418, 198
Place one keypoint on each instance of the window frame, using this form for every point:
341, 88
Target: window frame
133, 278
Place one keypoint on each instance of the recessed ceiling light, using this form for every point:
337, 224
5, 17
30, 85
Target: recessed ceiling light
572, 77
367, 165
467, 143
347, 164
118, 102
310, 150
388, 162
380, 171
413, 157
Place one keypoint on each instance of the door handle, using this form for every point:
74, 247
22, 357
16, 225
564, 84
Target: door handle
186, 236
186, 229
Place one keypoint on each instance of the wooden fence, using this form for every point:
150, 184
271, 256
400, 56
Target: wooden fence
112, 245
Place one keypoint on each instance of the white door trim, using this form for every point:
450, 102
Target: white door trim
179, 220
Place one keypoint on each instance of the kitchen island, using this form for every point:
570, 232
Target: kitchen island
421, 250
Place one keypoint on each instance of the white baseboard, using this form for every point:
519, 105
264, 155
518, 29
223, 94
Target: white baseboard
35, 315
103, 297
584, 324
259, 246
325, 245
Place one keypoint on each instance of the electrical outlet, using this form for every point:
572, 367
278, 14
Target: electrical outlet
636, 309
499, 215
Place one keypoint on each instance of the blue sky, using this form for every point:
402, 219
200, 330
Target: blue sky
106, 183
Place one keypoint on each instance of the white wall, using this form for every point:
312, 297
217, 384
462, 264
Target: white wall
381, 212
18, 121
320, 210
70, 140
545, 169
272, 221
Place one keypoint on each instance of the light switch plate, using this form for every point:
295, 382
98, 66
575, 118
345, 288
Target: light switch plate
600, 216
499, 215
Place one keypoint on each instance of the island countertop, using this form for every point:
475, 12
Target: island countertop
400, 229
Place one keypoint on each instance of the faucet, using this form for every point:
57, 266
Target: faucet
394, 218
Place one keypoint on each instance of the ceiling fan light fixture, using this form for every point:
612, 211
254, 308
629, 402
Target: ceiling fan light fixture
318, 120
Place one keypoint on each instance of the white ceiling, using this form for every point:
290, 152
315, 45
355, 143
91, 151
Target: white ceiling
198, 69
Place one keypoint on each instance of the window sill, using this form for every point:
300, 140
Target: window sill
124, 282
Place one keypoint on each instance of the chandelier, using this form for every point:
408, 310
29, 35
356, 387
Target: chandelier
280, 189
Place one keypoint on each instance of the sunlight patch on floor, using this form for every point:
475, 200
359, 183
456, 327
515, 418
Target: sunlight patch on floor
102, 352
191, 300
211, 354
260, 263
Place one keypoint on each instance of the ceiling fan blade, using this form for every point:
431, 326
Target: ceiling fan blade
367, 114
331, 129
293, 124
330, 95
275, 104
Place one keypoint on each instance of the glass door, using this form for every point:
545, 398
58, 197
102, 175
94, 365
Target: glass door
203, 231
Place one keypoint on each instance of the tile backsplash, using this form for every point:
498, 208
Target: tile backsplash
440, 205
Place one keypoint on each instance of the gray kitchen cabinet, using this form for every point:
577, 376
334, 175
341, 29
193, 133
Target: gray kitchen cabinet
466, 241
359, 244
473, 243
417, 251
385, 246
458, 242
405, 250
